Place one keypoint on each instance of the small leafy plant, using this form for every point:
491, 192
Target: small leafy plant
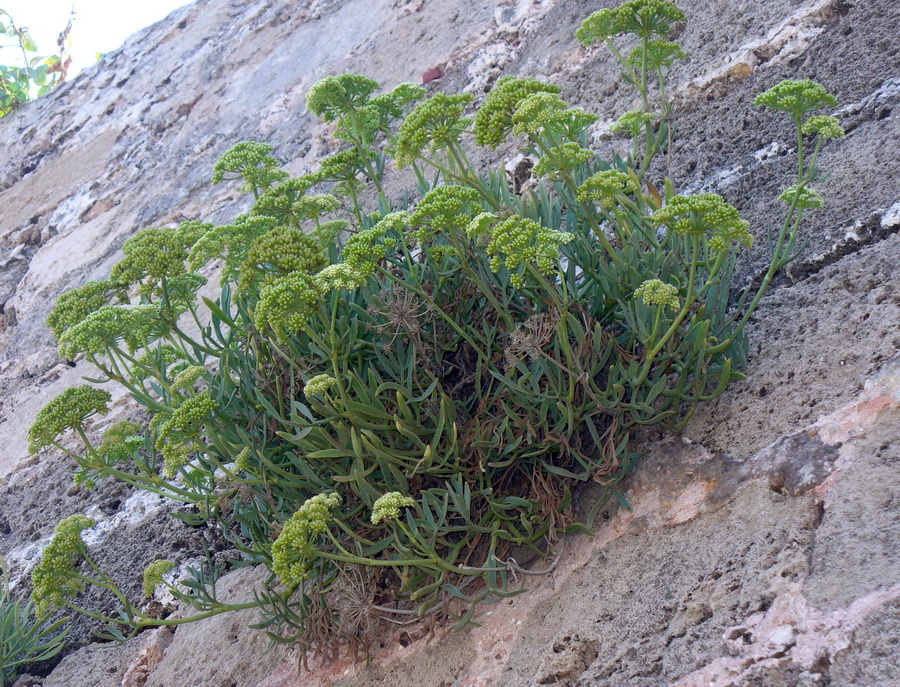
24, 638
28, 75
390, 402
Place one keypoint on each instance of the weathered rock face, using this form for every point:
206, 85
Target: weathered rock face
765, 552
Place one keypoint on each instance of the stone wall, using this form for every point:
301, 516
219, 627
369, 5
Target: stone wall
762, 548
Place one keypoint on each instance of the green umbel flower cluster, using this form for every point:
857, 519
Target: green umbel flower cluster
826, 127
185, 380
319, 385
151, 255
339, 276
294, 549
390, 106
493, 121
103, 329
632, 123
435, 123
67, 411
535, 112
188, 419
603, 187
55, 578
279, 201
657, 292
154, 573
334, 96
343, 165
644, 18
176, 454
286, 304
73, 306
546, 113
516, 241
661, 54
808, 198
231, 242
279, 252
388, 507
242, 460
442, 209
120, 442
561, 161
796, 97
705, 213
365, 249
648, 18
253, 162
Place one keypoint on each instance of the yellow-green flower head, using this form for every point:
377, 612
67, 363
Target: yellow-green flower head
151, 255
73, 306
705, 213
278, 201
313, 207
294, 550
599, 26
535, 112
342, 165
176, 454
562, 160
603, 187
120, 442
381, 111
517, 241
231, 242
280, 252
657, 292
191, 231
335, 96
796, 97
633, 123
154, 573
339, 276
435, 123
647, 18
103, 329
319, 385
187, 420
387, 107
441, 209
442, 252
253, 162
69, 410
242, 460
660, 54
826, 127
570, 123
286, 304
388, 507
806, 197
493, 121
185, 380
368, 247
55, 578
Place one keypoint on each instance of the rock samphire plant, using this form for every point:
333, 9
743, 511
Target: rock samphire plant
390, 402
24, 637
